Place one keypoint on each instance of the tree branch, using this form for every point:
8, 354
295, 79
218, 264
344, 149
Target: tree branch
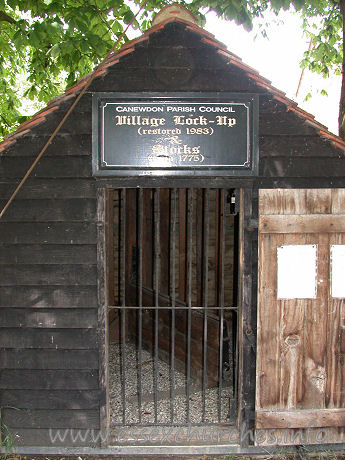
5, 121
6, 18
341, 119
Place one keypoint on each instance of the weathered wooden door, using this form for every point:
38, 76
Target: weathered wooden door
301, 335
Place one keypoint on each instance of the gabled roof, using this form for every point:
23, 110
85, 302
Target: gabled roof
262, 83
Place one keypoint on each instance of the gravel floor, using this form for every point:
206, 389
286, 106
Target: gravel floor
164, 391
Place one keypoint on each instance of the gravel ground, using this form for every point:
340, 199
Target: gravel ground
164, 391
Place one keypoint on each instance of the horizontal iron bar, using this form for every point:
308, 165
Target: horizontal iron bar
144, 307
212, 424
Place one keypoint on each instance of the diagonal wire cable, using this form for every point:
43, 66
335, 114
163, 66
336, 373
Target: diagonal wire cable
69, 111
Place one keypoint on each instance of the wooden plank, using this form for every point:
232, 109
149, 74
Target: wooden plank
48, 296
48, 233
318, 201
21, 358
62, 145
220, 221
291, 355
271, 124
247, 275
45, 418
269, 318
73, 339
50, 399
342, 333
280, 342
300, 182
27, 274
316, 318
76, 124
315, 418
185, 38
296, 146
45, 254
83, 108
48, 210
28, 379
187, 182
196, 325
203, 80
164, 240
147, 238
16, 167
301, 437
48, 318
271, 201
295, 202
302, 167
195, 438
50, 188
103, 227
306, 223
110, 256
335, 367
338, 201
131, 241
291, 341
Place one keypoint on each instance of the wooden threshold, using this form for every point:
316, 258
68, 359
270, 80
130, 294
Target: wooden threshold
174, 435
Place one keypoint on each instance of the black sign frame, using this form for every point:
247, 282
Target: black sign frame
248, 167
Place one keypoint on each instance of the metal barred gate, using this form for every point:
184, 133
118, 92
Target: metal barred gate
173, 314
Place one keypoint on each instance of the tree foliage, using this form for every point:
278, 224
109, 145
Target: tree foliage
47, 45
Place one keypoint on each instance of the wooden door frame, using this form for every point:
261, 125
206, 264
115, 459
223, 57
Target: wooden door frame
247, 298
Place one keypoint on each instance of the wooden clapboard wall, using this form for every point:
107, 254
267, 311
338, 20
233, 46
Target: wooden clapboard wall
300, 354
48, 286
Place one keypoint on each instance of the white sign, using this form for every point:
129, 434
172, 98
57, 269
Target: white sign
297, 271
338, 270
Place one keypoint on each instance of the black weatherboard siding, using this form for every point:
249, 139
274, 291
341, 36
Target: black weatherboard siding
48, 286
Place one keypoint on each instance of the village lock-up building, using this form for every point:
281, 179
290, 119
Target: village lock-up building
172, 270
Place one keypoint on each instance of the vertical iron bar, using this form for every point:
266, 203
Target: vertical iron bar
221, 323
140, 296
173, 298
205, 232
237, 237
189, 296
122, 267
156, 289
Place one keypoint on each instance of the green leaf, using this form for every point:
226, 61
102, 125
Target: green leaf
35, 38
55, 50
128, 16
